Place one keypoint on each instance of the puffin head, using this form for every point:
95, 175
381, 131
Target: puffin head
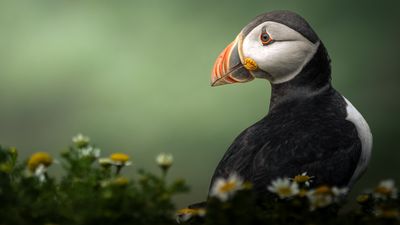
275, 46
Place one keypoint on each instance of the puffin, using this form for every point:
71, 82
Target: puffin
309, 127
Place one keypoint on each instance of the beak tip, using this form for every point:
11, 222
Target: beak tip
214, 81
213, 84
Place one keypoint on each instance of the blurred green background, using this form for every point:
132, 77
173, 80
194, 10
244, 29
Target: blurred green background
134, 76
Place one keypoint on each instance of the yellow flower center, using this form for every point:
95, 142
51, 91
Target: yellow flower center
39, 158
390, 213
362, 198
120, 181
301, 178
228, 186
6, 167
302, 193
250, 64
323, 190
13, 151
383, 190
119, 157
321, 201
187, 211
284, 191
247, 185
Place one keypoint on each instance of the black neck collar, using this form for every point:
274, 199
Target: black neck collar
313, 79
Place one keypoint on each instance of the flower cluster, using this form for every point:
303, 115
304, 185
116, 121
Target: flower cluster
85, 150
382, 201
386, 190
119, 160
285, 188
298, 187
30, 195
324, 196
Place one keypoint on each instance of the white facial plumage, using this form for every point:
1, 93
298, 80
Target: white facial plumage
285, 57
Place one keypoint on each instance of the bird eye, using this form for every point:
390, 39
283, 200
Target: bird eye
265, 38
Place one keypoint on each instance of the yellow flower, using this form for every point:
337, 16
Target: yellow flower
362, 198
13, 151
120, 159
388, 213
6, 167
302, 193
247, 185
303, 179
185, 214
324, 195
323, 190
383, 190
186, 211
39, 158
319, 200
120, 181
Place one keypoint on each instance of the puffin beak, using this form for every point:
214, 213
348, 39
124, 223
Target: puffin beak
228, 67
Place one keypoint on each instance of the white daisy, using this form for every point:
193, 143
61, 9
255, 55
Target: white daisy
40, 172
81, 140
105, 162
324, 196
225, 188
164, 160
284, 188
339, 192
319, 200
386, 189
89, 151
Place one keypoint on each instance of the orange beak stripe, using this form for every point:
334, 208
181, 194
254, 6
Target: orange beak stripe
229, 68
221, 65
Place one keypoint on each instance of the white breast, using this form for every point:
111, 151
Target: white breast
365, 136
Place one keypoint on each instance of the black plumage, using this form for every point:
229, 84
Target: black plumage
305, 129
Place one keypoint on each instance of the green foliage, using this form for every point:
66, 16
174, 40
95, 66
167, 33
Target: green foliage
88, 193
93, 191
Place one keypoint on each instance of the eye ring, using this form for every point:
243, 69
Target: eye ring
265, 38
